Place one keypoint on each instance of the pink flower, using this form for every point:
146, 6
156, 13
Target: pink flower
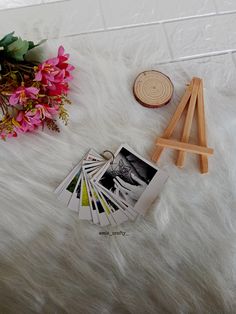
46, 111
47, 71
61, 55
21, 95
63, 65
58, 89
28, 120
4, 134
55, 73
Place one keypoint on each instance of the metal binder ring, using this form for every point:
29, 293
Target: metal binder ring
112, 155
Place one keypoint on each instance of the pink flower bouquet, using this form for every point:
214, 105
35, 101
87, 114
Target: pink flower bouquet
32, 94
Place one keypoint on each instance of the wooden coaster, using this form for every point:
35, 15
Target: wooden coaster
153, 89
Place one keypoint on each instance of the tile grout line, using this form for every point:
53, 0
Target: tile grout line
178, 19
163, 28
102, 14
34, 5
171, 60
152, 23
186, 18
216, 13
200, 56
216, 7
232, 58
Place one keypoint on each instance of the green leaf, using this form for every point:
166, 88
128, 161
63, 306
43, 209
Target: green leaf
33, 45
7, 40
18, 49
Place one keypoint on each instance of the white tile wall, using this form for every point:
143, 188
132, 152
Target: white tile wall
129, 12
204, 35
53, 19
134, 39
169, 9
226, 5
191, 27
8, 4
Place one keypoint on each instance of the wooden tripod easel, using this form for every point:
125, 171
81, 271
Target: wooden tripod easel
193, 97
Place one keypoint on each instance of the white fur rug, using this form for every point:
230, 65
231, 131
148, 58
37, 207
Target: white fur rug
182, 257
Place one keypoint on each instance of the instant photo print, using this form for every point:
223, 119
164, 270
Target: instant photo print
111, 191
132, 179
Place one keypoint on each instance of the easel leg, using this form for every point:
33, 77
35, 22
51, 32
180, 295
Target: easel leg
188, 121
173, 122
203, 160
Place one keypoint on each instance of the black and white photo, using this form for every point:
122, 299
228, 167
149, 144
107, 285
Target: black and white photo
128, 176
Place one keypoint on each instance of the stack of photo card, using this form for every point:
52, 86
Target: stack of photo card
111, 191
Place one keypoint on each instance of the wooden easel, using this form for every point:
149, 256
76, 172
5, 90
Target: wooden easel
193, 98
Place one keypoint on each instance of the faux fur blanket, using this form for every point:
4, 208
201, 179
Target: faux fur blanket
182, 257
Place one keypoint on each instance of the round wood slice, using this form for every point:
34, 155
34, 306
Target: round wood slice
153, 89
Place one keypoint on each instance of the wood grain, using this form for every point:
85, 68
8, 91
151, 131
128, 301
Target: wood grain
173, 122
188, 121
203, 160
185, 147
153, 89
